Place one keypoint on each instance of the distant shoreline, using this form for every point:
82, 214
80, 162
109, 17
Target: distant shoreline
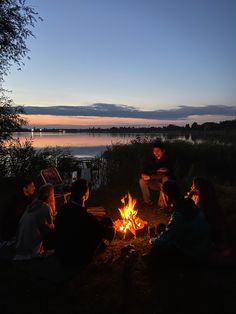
229, 125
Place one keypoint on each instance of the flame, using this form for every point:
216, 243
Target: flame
128, 215
128, 209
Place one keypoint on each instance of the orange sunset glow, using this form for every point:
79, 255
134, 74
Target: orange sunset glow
90, 121
85, 121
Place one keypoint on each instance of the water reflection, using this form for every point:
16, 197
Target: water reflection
91, 144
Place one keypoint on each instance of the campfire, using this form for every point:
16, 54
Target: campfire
130, 225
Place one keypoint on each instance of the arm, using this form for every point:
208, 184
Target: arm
97, 211
173, 229
156, 169
162, 170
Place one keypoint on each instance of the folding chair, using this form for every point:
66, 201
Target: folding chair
52, 176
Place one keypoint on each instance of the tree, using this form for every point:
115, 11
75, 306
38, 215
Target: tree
16, 20
187, 127
10, 119
194, 126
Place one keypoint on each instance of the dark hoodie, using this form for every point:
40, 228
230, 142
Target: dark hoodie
186, 232
78, 234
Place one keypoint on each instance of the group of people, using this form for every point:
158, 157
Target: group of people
196, 230
74, 234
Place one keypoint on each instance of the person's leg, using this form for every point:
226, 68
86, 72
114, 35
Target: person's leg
161, 203
145, 190
161, 200
155, 185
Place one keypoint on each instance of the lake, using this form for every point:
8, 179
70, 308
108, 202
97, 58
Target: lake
79, 144
91, 144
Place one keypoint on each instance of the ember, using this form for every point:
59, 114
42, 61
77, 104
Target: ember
130, 225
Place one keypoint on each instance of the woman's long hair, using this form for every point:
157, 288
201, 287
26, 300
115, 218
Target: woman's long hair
208, 202
185, 206
208, 199
46, 194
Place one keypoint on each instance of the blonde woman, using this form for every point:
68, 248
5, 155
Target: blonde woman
36, 225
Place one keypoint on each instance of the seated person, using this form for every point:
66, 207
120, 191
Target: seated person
78, 232
35, 225
186, 237
156, 170
16, 209
204, 195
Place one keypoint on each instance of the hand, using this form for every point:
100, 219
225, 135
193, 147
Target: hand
152, 241
145, 177
97, 211
51, 226
194, 191
163, 169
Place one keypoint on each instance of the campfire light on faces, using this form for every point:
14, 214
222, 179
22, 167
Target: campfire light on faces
130, 225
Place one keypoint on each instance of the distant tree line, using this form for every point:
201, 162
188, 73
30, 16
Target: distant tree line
205, 127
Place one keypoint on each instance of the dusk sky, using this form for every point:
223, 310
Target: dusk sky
119, 62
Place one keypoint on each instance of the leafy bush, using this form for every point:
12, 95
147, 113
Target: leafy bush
22, 160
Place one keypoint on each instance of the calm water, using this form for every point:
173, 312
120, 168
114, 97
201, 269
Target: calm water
89, 144
79, 144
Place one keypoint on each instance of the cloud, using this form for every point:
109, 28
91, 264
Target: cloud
123, 111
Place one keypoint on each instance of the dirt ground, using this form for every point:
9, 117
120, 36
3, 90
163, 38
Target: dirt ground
115, 282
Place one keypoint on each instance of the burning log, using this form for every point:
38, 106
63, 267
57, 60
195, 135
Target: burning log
121, 234
141, 232
130, 226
